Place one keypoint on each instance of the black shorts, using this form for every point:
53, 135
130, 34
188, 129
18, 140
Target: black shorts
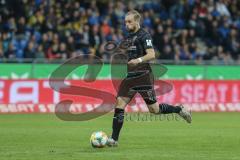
138, 82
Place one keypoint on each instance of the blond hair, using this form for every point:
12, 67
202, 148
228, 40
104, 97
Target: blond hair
136, 15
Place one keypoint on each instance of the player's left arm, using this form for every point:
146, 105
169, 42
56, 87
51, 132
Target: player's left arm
150, 53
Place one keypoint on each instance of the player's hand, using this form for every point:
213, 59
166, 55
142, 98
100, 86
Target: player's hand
133, 62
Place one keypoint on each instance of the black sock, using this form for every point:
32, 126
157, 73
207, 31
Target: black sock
117, 122
166, 108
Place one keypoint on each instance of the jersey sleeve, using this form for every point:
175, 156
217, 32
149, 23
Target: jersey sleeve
147, 41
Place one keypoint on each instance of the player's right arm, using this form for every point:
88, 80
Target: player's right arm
150, 53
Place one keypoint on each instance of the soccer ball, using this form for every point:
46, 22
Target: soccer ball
98, 139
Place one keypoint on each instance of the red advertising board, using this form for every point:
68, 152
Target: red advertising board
33, 96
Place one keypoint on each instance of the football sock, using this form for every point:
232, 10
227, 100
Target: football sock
166, 108
117, 123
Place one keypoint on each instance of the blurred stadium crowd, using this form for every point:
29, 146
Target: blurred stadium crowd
58, 29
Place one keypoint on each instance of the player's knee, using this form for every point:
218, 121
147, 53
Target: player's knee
153, 109
120, 103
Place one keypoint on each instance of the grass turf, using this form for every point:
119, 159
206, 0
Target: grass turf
211, 136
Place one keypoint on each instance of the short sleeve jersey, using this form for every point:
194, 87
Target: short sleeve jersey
138, 42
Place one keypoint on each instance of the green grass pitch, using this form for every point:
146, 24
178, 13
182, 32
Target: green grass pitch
211, 136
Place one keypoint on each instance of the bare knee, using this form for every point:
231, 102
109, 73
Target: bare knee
153, 108
122, 102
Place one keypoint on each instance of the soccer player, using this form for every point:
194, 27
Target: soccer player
139, 78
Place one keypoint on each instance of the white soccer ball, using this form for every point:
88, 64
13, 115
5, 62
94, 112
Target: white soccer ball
98, 139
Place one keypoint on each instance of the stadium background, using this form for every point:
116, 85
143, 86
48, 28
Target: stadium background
197, 41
